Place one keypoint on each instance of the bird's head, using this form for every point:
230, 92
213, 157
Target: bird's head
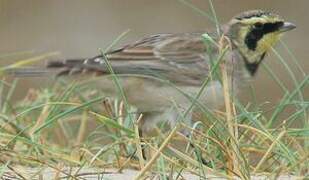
254, 33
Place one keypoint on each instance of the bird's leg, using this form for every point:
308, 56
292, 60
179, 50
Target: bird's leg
148, 122
140, 132
187, 120
133, 155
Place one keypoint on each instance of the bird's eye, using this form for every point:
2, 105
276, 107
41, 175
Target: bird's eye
258, 25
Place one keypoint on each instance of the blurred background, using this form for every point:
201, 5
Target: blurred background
77, 28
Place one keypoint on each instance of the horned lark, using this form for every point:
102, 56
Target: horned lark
183, 60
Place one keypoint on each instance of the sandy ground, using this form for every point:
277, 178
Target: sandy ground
109, 174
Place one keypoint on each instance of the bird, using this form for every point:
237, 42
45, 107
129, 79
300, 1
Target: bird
155, 68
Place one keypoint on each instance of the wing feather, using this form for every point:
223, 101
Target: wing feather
180, 58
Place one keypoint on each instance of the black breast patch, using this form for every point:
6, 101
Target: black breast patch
258, 31
252, 67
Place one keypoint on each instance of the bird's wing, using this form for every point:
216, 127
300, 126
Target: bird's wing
179, 58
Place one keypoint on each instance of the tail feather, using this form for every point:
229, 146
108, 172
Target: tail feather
55, 64
76, 66
66, 63
53, 68
95, 65
28, 72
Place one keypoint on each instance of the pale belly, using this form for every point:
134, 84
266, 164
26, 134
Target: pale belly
149, 95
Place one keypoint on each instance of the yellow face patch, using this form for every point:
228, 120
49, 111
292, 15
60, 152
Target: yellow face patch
261, 44
259, 34
268, 41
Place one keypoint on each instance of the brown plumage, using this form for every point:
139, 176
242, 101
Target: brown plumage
184, 60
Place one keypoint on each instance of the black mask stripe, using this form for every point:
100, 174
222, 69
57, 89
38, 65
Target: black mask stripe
258, 31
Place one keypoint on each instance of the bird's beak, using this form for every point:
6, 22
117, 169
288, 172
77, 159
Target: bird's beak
287, 26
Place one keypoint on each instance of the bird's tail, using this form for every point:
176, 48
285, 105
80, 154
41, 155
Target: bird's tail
27, 72
61, 68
